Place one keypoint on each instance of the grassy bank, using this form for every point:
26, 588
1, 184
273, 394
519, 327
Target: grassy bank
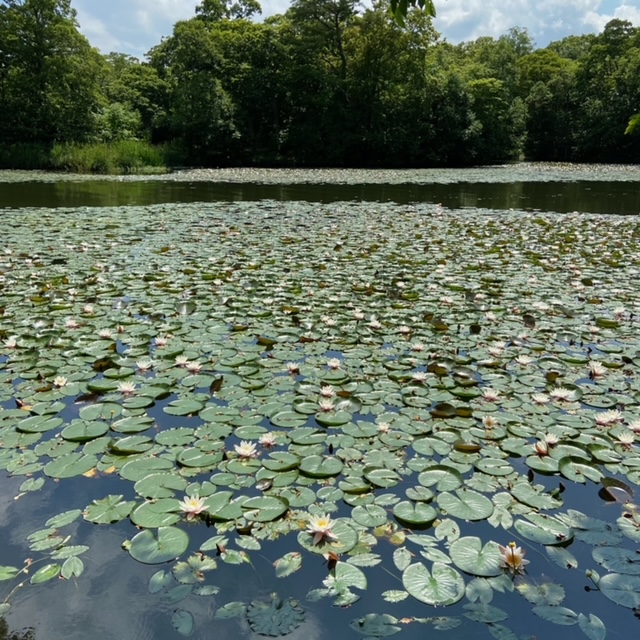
126, 156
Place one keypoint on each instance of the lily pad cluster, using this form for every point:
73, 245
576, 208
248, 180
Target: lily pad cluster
407, 373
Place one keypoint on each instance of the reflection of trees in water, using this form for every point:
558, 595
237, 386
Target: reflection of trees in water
25, 634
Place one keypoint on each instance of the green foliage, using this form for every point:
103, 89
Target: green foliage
327, 83
118, 157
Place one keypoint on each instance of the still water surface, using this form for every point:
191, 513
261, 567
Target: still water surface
563, 197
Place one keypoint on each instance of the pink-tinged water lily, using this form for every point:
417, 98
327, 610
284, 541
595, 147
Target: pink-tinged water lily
320, 527
541, 448
192, 506
268, 440
597, 369
513, 558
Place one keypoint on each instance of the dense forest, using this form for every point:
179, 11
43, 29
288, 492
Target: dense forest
327, 83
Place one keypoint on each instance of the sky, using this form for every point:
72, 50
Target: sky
134, 26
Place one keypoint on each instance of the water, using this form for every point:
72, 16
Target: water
111, 598
563, 197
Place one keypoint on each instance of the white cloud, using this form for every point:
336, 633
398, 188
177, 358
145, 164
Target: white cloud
134, 26
623, 12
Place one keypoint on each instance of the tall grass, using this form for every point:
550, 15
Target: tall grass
124, 156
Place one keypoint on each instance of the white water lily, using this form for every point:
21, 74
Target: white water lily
181, 360
144, 364
488, 422
126, 387
59, 382
105, 334
333, 363
626, 439
320, 526
192, 506
327, 391
246, 450
606, 418
326, 405
193, 366
513, 558
420, 376
597, 369
561, 393
540, 398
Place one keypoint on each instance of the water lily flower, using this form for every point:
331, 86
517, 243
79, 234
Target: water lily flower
490, 395
524, 360
606, 418
384, 427
192, 506
267, 440
488, 422
541, 448
144, 364
513, 558
246, 450
375, 324
293, 367
88, 309
320, 527
181, 360
333, 363
596, 369
59, 382
634, 426
11, 342
404, 329
106, 334
326, 405
193, 366
540, 398
71, 323
561, 393
551, 439
420, 376
327, 391
626, 439
126, 387
417, 346
161, 341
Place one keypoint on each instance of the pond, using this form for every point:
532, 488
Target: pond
297, 410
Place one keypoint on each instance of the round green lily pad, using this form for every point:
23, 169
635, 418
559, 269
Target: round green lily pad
155, 547
442, 586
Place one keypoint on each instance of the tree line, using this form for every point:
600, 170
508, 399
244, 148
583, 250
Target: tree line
327, 83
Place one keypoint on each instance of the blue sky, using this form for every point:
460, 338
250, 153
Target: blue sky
134, 26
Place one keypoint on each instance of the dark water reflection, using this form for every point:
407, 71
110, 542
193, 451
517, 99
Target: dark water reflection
563, 197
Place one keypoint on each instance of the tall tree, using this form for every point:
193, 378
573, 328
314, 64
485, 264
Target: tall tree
49, 73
